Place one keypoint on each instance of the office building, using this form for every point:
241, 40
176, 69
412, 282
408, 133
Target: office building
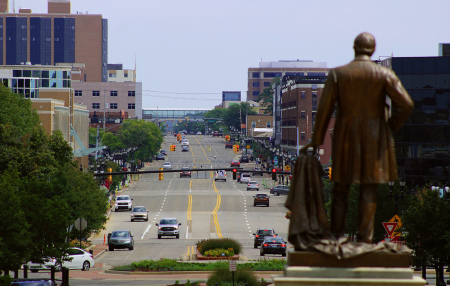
116, 73
230, 98
54, 38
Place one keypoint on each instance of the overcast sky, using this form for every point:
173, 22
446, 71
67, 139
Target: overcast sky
189, 51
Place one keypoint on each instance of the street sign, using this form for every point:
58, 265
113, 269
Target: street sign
398, 220
80, 224
287, 168
231, 265
248, 146
389, 227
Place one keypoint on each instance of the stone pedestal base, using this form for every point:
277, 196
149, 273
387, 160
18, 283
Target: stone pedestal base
311, 268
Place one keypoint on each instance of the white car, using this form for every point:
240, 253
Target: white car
199, 133
184, 142
123, 202
252, 185
220, 175
77, 259
245, 178
167, 166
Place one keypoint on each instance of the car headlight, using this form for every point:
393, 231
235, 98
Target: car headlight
176, 227
127, 240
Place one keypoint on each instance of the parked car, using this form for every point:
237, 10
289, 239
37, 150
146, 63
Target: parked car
220, 175
258, 171
184, 172
229, 145
160, 157
191, 133
139, 212
273, 245
199, 133
175, 134
245, 178
280, 190
261, 199
163, 151
261, 234
184, 148
123, 202
77, 259
252, 185
244, 159
235, 163
168, 227
120, 239
167, 166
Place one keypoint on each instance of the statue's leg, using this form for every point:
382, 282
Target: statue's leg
367, 208
339, 206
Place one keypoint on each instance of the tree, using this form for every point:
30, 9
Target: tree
266, 97
236, 114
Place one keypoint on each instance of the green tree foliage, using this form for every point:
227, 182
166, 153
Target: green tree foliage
236, 114
427, 224
266, 97
93, 135
43, 190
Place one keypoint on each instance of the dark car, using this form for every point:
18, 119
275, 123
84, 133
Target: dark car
184, 148
33, 282
184, 172
120, 239
280, 190
163, 151
261, 199
273, 245
261, 234
258, 171
235, 163
229, 145
244, 159
160, 156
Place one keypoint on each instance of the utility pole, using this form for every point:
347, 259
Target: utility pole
104, 109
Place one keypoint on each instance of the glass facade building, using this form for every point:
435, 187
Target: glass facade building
231, 96
423, 143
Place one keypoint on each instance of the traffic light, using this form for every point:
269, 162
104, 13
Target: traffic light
274, 174
171, 148
110, 176
161, 175
234, 174
329, 176
327, 173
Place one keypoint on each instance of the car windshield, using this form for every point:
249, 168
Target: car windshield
120, 234
252, 183
245, 175
261, 195
123, 198
167, 164
139, 209
275, 239
265, 232
168, 221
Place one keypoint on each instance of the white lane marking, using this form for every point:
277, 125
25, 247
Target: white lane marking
146, 230
187, 231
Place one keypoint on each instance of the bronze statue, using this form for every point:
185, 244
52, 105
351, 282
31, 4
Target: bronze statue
363, 145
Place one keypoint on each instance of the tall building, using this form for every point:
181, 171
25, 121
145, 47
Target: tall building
261, 77
230, 97
423, 143
54, 38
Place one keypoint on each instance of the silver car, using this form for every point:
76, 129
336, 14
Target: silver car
167, 166
139, 212
253, 185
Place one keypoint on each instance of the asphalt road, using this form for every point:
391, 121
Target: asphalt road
206, 208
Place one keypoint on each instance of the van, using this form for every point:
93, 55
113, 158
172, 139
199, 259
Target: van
220, 175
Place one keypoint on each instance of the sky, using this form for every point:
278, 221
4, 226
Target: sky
188, 51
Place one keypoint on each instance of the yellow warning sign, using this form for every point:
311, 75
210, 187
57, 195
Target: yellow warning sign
398, 220
287, 168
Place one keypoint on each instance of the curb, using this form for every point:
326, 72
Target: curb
162, 273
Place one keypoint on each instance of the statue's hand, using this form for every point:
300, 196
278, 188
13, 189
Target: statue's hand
305, 148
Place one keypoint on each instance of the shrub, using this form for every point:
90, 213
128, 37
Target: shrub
218, 243
219, 252
223, 276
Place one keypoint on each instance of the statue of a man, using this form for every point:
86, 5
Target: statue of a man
363, 145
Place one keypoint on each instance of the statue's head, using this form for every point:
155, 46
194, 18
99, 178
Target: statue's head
364, 44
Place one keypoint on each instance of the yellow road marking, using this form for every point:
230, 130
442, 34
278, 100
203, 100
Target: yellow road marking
189, 210
216, 221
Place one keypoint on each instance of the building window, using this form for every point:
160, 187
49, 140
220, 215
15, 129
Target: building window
113, 105
255, 93
314, 101
303, 95
255, 84
253, 124
112, 75
78, 93
96, 93
269, 124
95, 105
272, 74
113, 93
303, 114
266, 83
125, 75
255, 75
131, 106
303, 136
131, 93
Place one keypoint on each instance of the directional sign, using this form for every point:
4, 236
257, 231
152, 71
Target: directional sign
389, 227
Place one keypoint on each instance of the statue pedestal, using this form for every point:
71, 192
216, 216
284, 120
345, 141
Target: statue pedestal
313, 268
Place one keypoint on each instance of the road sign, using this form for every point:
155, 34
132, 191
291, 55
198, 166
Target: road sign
389, 227
398, 220
248, 146
287, 168
80, 224
232, 265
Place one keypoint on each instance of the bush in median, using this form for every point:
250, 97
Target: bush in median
218, 243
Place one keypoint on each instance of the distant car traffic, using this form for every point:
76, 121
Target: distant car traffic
244, 159
245, 178
229, 145
273, 245
168, 227
184, 172
220, 175
261, 199
258, 171
184, 148
121, 239
139, 212
261, 234
163, 151
78, 259
123, 202
160, 157
235, 163
199, 133
252, 185
280, 190
167, 166
215, 133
